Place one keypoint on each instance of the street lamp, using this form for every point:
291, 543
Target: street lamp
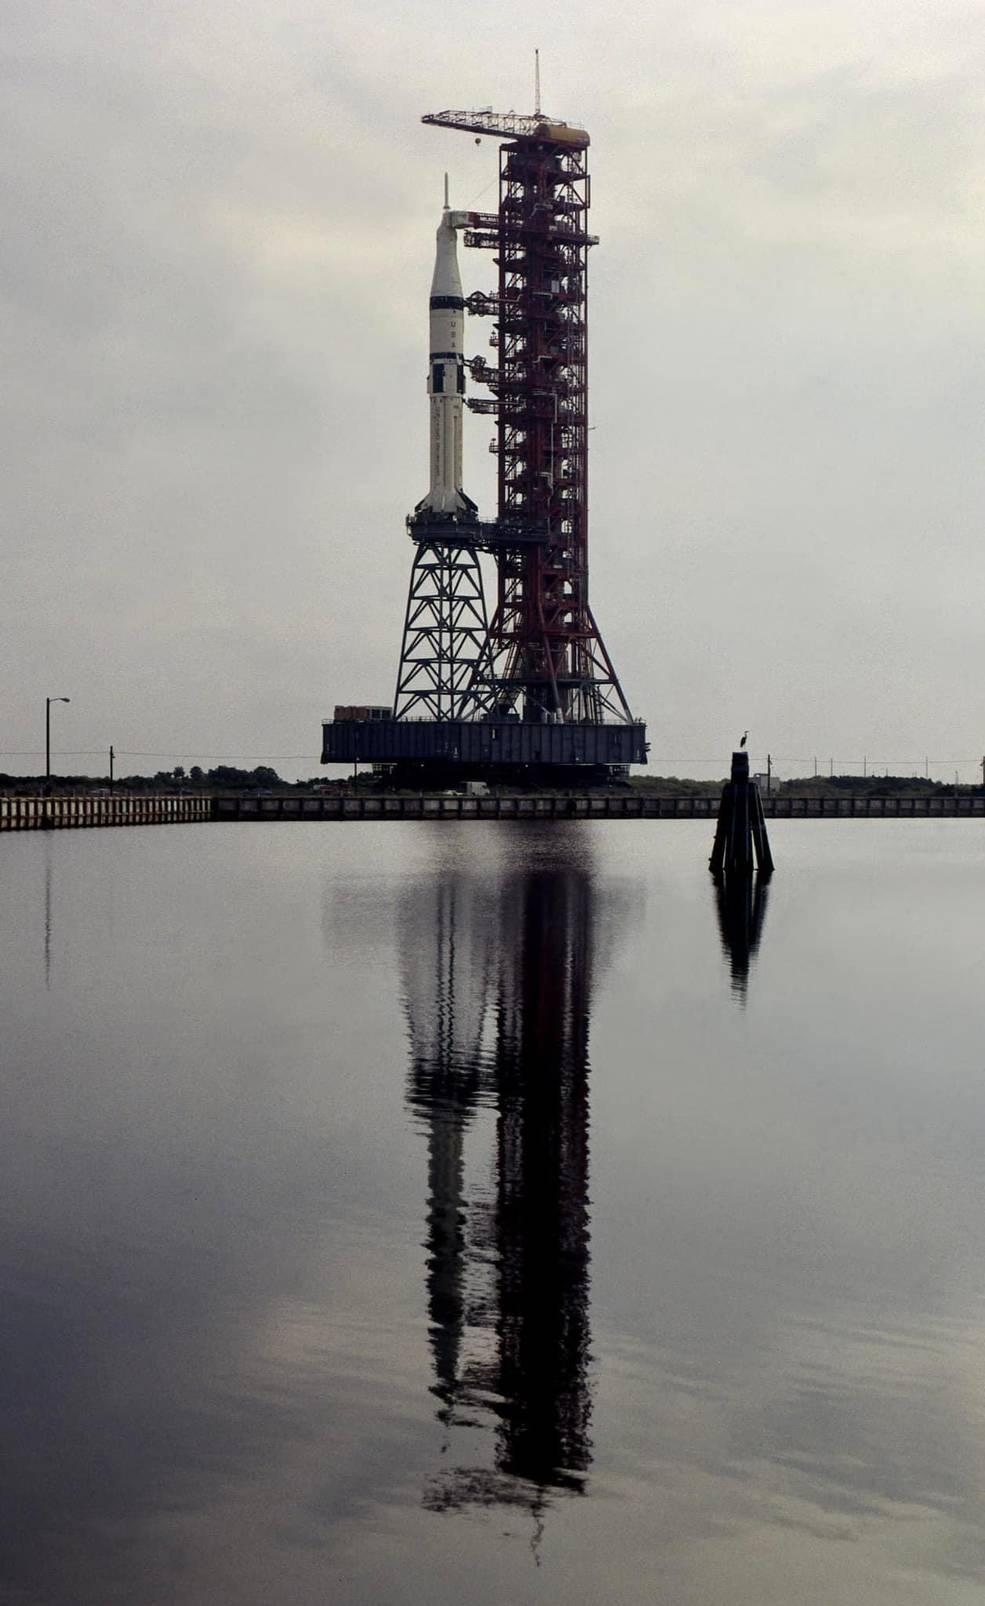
47, 738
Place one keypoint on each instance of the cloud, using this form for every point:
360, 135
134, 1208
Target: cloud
214, 272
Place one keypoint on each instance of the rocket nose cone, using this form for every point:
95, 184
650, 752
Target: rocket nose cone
447, 280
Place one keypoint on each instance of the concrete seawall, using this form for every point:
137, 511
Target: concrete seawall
626, 806
72, 811
76, 811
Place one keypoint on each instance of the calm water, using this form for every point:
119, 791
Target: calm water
484, 1213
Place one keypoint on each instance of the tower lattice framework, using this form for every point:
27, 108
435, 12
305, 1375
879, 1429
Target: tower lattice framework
541, 658
445, 632
546, 658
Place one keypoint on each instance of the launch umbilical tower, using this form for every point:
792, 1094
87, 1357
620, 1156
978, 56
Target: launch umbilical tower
546, 657
535, 684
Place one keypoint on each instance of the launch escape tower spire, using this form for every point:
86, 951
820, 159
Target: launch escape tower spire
533, 683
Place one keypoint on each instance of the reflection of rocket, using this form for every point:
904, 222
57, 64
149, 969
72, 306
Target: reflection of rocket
446, 377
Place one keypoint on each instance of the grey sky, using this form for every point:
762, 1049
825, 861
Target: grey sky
218, 233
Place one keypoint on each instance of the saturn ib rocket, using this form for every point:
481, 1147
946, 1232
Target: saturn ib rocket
446, 377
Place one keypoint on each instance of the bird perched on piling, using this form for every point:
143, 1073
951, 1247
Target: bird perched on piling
743, 741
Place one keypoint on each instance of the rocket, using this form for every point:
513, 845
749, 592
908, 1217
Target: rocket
446, 377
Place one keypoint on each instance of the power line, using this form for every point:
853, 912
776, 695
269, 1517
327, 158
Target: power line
842, 766
225, 758
122, 752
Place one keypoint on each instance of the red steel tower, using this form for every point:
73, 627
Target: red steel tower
545, 657
535, 689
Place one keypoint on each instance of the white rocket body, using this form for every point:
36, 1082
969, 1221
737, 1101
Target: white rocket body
446, 379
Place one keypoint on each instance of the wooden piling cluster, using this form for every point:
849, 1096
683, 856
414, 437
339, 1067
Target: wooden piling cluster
741, 830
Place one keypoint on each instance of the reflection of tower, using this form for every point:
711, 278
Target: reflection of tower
445, 933
542, 1229
508, 1264
741, 903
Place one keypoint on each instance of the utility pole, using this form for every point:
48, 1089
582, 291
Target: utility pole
112, 756
831, 767
47, 738
769, 774
815, 769
864, 770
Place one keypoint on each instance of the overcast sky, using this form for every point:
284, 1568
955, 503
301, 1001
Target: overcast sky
217, 245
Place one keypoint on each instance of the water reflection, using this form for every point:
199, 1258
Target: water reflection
47, 911
498, 976
741, 904
447, 932
214, 1345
